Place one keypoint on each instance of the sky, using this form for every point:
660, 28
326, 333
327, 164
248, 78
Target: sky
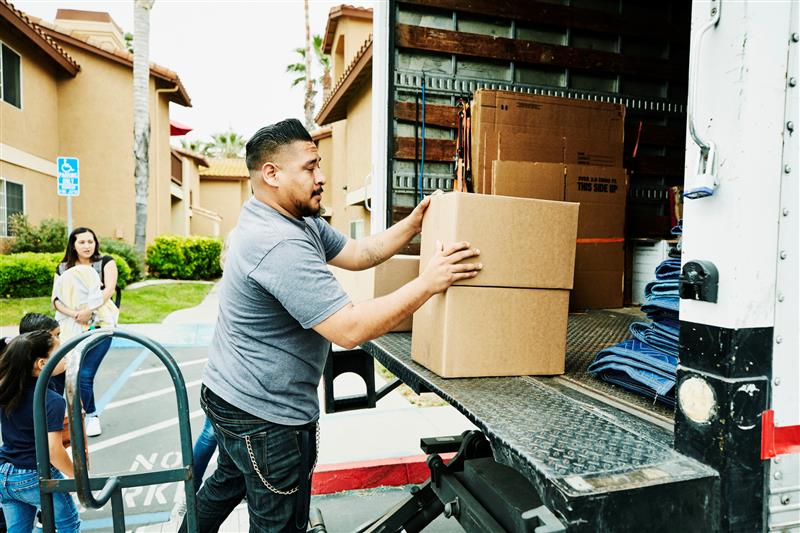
231, 55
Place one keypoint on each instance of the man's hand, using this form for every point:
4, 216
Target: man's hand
442, 270
415, 218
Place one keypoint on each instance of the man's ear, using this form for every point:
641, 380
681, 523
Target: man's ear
269, 173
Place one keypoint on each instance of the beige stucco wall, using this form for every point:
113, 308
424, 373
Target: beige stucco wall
34, 128
325, 147
96, 125
359, 151
355, 33
205, 223
224, 197
39, 193
337, 177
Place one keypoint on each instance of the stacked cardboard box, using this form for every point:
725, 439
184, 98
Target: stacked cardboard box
561, 149
511, 319
379, 281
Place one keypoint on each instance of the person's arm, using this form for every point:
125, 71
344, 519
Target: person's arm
59, 457
81, 316
110, 277
355, 324
373, 250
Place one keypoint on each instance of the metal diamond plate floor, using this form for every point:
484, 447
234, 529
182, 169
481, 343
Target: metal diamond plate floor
562, 440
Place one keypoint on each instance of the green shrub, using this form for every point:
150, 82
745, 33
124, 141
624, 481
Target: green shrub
176, 257
124, 271
27, 274
49, 237
134, 259
31, 274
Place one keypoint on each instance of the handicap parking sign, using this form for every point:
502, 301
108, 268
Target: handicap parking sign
68, 176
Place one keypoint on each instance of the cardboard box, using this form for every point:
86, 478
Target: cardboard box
523, 242
601, 193
599, 276
379, 281
518, 126
522, 332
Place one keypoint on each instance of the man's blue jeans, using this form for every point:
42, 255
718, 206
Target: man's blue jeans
19, 493
278, 455
203, 449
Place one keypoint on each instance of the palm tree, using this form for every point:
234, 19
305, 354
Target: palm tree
198, 147
324, 62
229, 145
141, 116
308, 104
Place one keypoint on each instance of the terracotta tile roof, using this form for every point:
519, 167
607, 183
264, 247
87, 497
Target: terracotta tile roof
225, 167
109, 51
335, 14
334, 107
27, 26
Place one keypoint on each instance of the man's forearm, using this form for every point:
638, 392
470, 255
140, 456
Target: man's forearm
373, 318
375, 249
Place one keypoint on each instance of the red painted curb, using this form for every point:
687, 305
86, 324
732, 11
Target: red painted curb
357, 475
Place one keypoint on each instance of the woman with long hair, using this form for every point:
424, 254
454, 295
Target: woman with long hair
84, 284
21, 362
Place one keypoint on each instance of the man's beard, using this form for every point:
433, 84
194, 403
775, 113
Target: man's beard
307, 210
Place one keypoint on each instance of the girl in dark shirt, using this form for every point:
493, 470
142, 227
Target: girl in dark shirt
20, 365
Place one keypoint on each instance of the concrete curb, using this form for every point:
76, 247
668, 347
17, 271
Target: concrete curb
359, 475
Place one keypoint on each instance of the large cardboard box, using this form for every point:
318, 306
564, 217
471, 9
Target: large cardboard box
601, 193
522, 242
492, 331
525, 127
600, 280
379, 281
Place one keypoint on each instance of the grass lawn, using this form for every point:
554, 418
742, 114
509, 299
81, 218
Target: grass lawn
139, 306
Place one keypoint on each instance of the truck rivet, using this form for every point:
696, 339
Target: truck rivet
713, 11
796, 36
790, 126
792, 82
786, 211
777, 382
776, 460
785, 499
778, 475
787, 169
783, 254
781, 297
778, 339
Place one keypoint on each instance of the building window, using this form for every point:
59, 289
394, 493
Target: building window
10, 76
11, 203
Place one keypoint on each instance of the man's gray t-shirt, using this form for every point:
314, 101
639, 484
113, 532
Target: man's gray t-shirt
264, 358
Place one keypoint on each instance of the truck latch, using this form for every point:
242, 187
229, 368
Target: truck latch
699, 280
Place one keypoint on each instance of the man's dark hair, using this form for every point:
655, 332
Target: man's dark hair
263, 145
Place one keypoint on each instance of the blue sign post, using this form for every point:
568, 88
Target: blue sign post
69, 183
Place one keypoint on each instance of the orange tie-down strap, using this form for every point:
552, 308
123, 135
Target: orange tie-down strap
777, 440
601, 241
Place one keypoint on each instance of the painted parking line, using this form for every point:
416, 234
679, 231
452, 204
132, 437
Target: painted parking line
119, 439
118, 383
130, 520
190, 362
151, 394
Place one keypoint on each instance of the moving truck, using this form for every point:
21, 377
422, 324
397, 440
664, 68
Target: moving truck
710, 95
